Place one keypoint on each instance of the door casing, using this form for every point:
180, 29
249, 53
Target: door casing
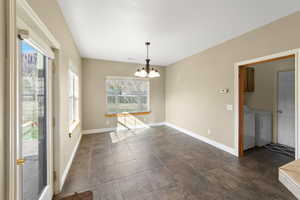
11, 85
239, 96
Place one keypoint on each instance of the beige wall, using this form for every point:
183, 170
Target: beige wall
2, 96
50, 13
192, 84
264, 96
94, 73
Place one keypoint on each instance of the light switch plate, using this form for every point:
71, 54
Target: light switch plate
224, 91
229, 107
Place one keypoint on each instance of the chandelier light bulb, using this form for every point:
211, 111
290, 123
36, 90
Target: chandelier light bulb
157, 73
152, 73
143, 73
138, 73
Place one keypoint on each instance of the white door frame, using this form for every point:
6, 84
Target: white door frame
11, 100
296, 53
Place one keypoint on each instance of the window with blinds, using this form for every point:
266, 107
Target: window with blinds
127, 95
73, 99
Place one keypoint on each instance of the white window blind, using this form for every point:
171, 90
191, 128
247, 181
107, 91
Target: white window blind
126, 94
73, 98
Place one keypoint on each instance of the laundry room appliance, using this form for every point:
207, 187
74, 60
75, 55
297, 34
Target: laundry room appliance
263, 128
249, 128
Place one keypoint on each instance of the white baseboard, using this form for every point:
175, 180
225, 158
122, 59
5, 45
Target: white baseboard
103, 130
66, 171
204, 139
158, 124
289, 183
99, 130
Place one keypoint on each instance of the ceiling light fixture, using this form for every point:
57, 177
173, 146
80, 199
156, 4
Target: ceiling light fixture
145, 72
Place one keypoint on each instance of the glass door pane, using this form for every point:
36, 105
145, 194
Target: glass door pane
33, 125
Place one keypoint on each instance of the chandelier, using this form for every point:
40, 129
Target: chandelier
145, 72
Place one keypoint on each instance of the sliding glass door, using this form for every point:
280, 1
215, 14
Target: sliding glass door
34, 135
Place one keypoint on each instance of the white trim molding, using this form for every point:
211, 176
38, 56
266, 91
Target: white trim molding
296, 53
204, 139
10, 101
67, 169
99, 130
104, 130
25, 7
47, 193
289, 183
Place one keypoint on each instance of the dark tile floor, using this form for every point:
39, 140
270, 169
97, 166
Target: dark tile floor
163, 164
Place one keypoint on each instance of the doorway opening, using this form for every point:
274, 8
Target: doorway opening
269, 106
266, 105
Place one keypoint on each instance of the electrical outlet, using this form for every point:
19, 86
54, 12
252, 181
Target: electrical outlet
208, 131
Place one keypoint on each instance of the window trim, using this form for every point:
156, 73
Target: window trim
111, 114
127, 114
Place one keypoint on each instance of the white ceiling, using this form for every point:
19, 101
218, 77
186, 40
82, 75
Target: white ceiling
117, 29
